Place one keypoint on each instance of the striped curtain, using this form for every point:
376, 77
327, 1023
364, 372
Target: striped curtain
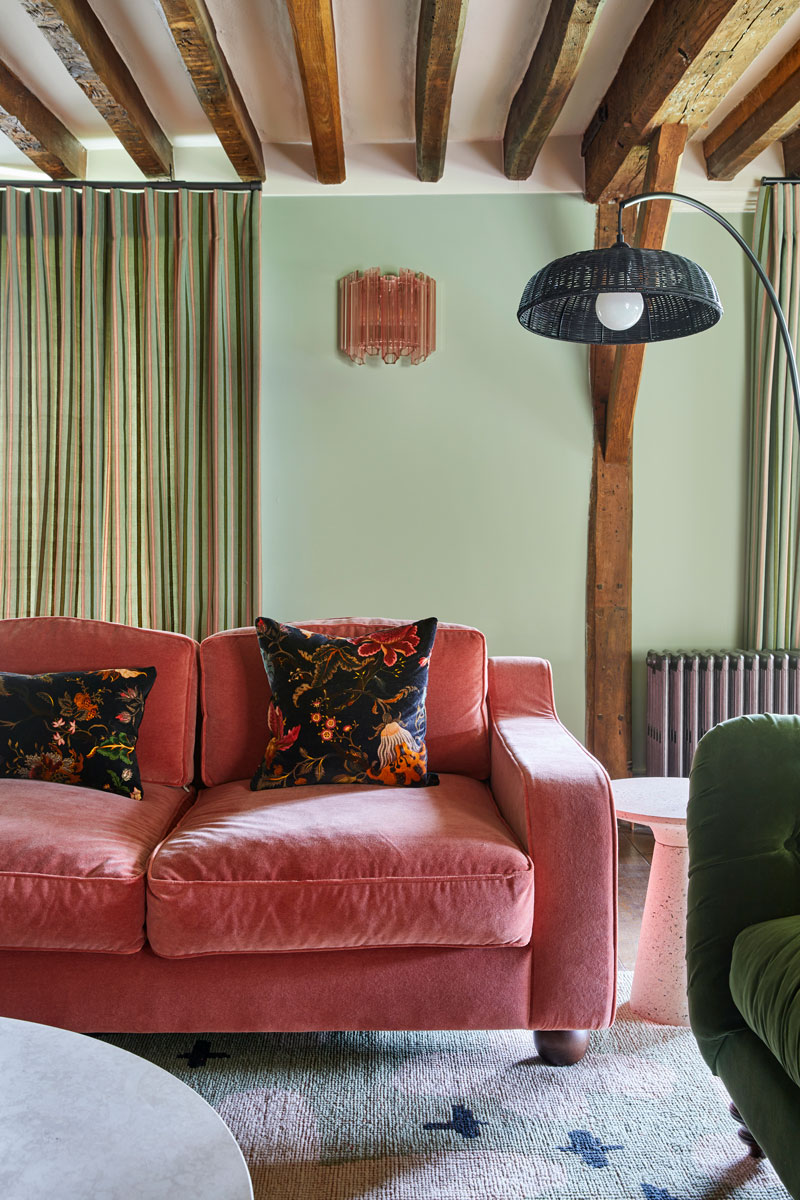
129, 355
772, 599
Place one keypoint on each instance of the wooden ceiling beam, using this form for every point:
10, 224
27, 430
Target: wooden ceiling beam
766, 115
37, 131
196, 38
790, 145
547, 82
682, 61
441, 27
315, 44
86, 50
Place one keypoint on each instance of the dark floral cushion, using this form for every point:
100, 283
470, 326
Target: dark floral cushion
74, 727
345, 710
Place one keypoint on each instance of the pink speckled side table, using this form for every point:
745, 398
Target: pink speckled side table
659, 978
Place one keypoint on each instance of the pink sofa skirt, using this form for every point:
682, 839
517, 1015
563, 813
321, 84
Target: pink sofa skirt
347, 989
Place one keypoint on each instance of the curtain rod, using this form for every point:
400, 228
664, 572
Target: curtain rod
767, 181
163, 185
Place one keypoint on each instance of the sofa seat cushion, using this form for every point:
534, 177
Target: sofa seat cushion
331, 867
73, 863
765, 985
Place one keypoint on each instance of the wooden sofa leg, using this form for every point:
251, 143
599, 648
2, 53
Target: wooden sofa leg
561, 1047
744, 1133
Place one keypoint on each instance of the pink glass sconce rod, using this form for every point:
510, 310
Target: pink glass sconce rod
390, 315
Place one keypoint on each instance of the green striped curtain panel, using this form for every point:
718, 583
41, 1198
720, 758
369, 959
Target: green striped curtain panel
772, 608
129, 358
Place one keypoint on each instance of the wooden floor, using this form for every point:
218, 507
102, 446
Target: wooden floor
635, 855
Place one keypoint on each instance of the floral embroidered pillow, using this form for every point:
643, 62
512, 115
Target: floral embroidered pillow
74, 727
345, 710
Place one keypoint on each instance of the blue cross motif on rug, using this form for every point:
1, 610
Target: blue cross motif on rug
462, 1121
656, 1193
585, 1144
200, 1053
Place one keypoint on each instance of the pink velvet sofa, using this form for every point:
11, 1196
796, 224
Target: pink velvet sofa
486, 902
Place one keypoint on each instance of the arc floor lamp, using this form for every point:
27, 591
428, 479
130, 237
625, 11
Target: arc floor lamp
620, 295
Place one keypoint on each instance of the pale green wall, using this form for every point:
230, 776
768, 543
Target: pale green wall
460, 487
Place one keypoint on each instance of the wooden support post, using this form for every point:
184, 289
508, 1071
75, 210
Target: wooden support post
608, 618
663, 160
608, 570
615, 374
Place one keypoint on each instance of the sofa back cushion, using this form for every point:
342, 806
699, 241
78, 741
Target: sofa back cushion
234, 695
165, 747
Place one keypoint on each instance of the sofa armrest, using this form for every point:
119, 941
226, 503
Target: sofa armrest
744, 856
557, 799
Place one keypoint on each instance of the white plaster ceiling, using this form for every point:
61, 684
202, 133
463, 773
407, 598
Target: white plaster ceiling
376, 49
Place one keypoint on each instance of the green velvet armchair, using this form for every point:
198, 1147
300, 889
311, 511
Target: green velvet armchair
743, 931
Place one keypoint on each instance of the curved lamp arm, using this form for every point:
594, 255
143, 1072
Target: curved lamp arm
787, 341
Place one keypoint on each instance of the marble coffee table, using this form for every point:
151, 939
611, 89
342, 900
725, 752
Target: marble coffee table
80, 1119
659, 977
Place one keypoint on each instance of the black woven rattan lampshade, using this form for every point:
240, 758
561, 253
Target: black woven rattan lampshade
679, 296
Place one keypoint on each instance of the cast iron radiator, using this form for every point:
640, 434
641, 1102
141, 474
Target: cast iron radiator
688, 693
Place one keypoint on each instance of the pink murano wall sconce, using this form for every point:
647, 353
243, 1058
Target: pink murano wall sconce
390, 315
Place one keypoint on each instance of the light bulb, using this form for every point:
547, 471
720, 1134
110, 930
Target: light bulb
619, 310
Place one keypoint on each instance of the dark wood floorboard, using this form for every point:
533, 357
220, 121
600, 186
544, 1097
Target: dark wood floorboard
635, 856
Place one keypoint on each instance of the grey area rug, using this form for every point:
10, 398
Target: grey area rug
457, 1116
